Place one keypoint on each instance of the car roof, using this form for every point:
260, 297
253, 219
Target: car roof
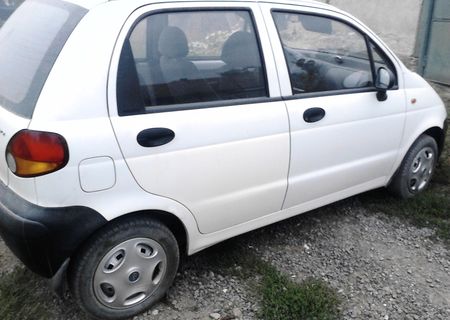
88, 4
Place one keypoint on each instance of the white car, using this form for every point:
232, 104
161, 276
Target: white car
136, 131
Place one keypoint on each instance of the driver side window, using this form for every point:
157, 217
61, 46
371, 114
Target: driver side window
323, 54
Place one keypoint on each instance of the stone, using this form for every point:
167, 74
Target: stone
215, 316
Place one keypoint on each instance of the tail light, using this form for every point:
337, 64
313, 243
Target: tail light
35, 153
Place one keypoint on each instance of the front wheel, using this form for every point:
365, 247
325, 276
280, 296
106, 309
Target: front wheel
417, 168
124, 269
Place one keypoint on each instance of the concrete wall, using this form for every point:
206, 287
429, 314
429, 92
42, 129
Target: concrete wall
395, 22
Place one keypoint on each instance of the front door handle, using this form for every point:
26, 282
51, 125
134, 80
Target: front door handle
313, 115
155, 137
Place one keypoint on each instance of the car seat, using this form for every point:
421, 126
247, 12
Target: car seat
242, 74
184, 80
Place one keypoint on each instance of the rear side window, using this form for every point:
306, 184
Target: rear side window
187, 57
30, 41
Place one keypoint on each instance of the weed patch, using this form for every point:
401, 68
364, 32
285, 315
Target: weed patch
284, 299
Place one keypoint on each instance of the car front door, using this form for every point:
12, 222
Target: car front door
344, 140
197, 111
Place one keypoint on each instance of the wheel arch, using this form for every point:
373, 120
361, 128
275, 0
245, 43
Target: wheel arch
437, 134
171, 221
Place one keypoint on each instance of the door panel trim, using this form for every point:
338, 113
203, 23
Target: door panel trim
212, 104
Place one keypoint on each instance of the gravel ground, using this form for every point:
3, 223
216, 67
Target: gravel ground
7, 260
382, 267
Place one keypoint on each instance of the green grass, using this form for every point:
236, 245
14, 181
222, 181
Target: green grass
308, 300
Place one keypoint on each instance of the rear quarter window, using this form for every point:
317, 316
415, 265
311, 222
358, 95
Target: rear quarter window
30, 42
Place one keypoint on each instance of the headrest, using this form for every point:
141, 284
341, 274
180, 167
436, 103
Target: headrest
240, 50
173, 43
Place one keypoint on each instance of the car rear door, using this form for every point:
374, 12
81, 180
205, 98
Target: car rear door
343, 139
204, 123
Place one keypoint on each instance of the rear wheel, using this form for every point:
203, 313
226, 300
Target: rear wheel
124, 269
417, 168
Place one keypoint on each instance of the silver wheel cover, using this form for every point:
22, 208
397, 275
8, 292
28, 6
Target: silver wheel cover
130, 273
421, 170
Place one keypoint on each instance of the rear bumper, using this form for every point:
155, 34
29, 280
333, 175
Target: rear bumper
43, 238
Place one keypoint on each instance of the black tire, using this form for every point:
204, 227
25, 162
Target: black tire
85, 268
405, 183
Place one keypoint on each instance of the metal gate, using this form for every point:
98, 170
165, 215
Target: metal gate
434, 41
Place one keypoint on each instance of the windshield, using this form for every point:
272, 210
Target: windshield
30, 41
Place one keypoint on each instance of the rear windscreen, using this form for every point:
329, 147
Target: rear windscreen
30, 41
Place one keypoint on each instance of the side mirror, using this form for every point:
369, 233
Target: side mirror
383, 83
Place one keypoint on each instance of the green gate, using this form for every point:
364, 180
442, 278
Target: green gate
434, 41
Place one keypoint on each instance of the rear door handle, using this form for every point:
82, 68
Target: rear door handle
155, 137
313, 115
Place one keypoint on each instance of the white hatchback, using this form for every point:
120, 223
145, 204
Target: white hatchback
133, 132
